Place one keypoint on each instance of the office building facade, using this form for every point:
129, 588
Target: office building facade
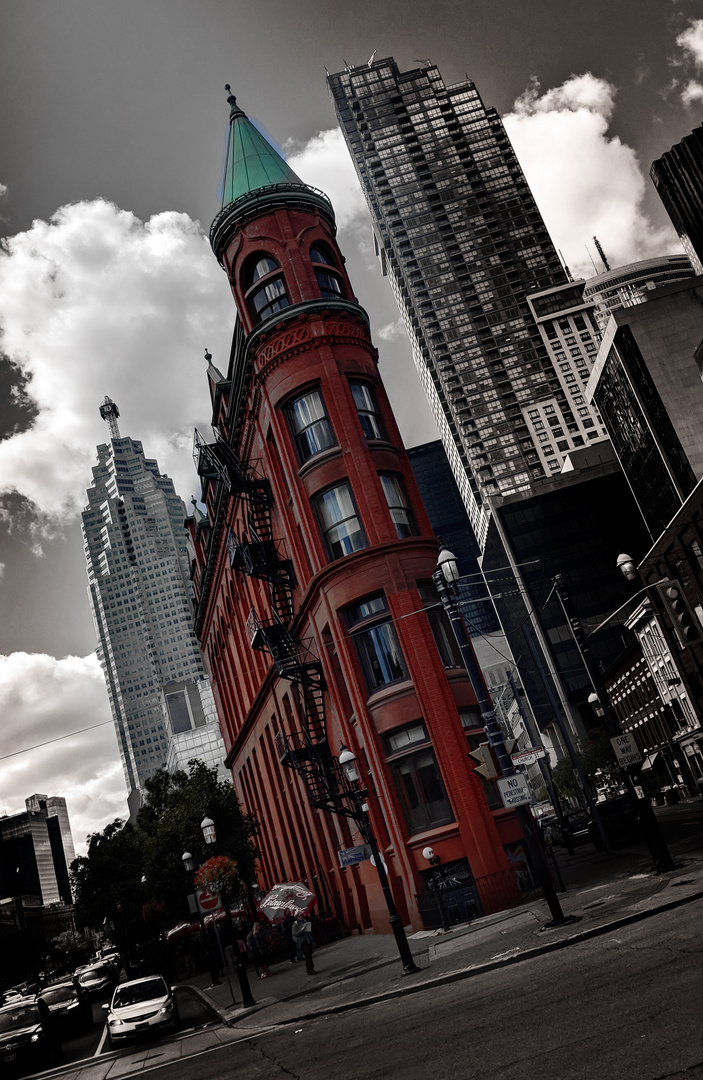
632, 284
647, 386
678, 178
36, 851
141, 598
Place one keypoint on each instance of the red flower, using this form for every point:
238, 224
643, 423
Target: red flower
216, 874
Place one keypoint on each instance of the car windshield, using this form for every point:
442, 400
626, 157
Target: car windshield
54, 994
19, 1016
136, 992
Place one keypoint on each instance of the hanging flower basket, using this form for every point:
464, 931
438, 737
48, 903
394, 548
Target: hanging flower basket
217, 874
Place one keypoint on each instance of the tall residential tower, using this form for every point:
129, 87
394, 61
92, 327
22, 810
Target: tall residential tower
504, 342
463, 242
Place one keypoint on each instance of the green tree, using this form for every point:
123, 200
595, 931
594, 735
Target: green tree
108, 887
597, 755
132, 879
169, 824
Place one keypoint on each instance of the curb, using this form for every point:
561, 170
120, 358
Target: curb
462, 973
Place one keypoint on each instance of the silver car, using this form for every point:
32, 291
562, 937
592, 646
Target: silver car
140, 1007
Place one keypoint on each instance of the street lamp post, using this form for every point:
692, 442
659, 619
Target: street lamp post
348, 762
445, 577
189, 866
209, 835
651, 830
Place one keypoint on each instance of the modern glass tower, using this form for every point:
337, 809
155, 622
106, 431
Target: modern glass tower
462, 241
140, 594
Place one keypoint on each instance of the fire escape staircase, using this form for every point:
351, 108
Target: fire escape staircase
261, 556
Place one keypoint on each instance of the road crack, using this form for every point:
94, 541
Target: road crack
273, 1060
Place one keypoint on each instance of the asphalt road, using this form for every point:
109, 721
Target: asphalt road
625, 1006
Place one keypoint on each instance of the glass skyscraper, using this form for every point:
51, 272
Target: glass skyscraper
140, 594
462, 241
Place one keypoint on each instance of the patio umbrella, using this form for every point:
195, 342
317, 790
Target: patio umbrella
292, 895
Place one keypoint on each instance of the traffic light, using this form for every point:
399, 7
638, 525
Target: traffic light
686, 626
487, 766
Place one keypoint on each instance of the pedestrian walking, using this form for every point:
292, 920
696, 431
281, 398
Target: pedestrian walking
258, 950
304, 941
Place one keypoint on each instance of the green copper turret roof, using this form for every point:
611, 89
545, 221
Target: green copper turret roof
251, 161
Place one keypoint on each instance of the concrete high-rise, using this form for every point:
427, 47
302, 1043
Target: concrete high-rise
504, 342
140, 595
462, 242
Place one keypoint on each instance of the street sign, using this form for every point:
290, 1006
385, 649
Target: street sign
528, 756
208, 902
626, 750
352, 855
514, 791
486, 767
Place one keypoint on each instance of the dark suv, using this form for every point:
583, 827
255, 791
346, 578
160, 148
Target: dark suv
619, 821
28, 1036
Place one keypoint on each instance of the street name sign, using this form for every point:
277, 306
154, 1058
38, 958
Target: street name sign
626, 750
528, 756
514, 791
352, 855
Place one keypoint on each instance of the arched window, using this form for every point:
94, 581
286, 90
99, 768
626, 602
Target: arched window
328, 278
265, 288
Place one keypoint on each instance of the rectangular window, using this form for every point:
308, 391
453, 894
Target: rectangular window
367, 408
339, 521
376, 643
311, 427
401, 514
417, 778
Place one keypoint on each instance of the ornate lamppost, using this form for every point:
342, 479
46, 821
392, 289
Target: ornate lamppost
219, 875
359, 795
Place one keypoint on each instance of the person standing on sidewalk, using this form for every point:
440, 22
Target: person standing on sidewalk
287, 927
304, 942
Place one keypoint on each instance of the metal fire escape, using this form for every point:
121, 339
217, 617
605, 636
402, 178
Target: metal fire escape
257, 554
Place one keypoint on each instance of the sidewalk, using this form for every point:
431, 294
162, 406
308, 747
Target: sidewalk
362, 970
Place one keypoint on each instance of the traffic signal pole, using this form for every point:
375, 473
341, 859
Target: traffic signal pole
497, 744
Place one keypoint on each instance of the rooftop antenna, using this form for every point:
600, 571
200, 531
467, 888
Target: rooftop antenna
566, 268
110, 412
595, 268
600, 251
372, 57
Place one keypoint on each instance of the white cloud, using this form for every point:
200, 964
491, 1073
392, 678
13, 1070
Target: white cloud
391, 331
692, 92
96, 302
3, 191
690, 41
586, 182
324, 162
41, 700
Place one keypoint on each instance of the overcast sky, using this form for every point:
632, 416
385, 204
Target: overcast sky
112, 127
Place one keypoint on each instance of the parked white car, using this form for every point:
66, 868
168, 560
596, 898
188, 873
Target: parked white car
140, 1007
